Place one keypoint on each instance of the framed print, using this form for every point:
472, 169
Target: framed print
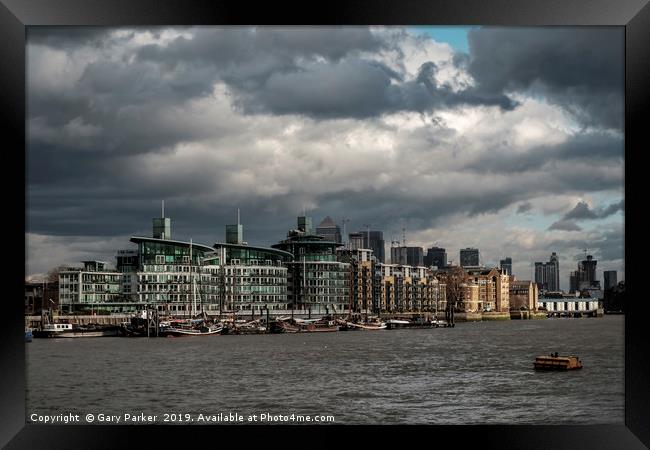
415, 214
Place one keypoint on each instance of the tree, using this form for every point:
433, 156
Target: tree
454, 278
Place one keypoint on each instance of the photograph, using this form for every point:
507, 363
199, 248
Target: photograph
353, 225
411, 216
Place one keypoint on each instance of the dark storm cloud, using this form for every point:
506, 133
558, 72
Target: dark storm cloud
582, 211
67, 37
581, 69
103, 147
591, 148
279, 71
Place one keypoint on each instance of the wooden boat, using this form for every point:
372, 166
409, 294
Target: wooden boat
183, 328
555, 362
28, 335
367, 326
370, 325
303, 326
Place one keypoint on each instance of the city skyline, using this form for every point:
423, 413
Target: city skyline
485, 147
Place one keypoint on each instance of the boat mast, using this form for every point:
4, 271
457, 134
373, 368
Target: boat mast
192, 282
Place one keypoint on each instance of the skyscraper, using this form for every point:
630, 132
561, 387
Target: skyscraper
609, 277
506, 264
436, 256
356, 241
329, 230
469, 257
375, 243
547, 274
584, 279
410, 256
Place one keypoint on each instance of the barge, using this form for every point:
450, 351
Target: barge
555, 362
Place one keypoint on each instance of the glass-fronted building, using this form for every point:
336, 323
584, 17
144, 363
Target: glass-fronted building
243, 277
317, 281
91, 288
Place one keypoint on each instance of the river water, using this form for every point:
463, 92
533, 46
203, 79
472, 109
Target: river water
475, 373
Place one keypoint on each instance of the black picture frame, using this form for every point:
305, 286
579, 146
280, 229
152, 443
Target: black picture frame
634, 15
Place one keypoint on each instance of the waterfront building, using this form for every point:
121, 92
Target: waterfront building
374, 240
92, 287
404, 288
524, 294
493, 288
436, 256
470, 298
571, 304
362, 265
316, 280
609, 277
166, 273
547, 274
506, 265
469, 257
407, 256
329, 230
236, 277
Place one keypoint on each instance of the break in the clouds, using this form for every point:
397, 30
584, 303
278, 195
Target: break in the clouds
515, 146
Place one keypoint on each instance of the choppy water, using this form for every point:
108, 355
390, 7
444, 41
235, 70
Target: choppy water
475, 373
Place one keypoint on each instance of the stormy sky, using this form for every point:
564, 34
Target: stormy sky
505, 139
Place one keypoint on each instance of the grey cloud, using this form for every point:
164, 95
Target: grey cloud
590, 148
582, 211
524, 207
565, 225
581, 69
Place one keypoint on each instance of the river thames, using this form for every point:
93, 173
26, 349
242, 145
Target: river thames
475, 373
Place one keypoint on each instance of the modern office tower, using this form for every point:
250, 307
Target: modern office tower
609, 277
469, 257
304, 224
162, 226
554, 273
584, 279
355, 241
506, 265
547, 274
374, 240
587, 269
329, 230
409, 256
436, 256
235, 233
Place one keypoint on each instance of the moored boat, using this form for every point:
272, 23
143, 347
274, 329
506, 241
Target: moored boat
28, 335
68, 330
192, 327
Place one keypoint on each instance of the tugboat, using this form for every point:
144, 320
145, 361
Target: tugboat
555, 362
